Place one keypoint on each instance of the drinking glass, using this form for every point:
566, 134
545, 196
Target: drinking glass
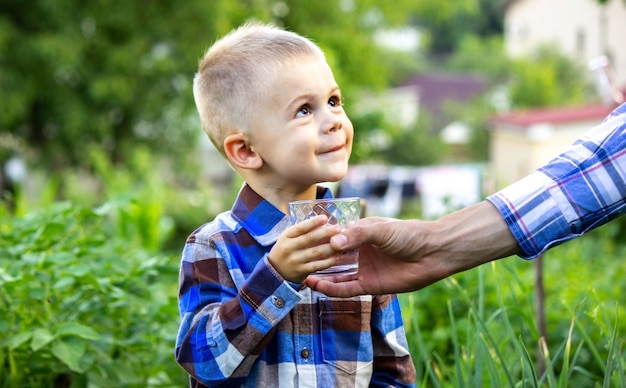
344, 212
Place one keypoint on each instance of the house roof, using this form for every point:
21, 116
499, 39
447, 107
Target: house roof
554, 115
435, 89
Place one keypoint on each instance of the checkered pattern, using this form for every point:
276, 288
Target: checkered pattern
581, 189
243, 325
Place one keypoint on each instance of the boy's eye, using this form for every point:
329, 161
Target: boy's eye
334, 101
303, 111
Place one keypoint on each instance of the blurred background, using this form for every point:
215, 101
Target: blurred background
488, 88
104, 171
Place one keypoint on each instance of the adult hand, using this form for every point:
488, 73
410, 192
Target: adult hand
407, 255
386, 260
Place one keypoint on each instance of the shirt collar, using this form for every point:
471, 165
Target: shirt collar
262, 220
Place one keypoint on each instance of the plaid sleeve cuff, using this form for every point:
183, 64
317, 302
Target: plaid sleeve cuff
533, 214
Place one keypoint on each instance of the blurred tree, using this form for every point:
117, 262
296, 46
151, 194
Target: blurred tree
446, 23
77, 73
548, 78
416, 146
116, 74
482, 55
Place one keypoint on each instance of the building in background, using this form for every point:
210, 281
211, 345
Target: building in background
438, 92
582, 29
525, 140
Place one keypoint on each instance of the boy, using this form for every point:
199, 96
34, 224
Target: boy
268, 101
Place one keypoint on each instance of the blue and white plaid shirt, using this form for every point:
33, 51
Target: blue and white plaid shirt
242, 324
579, 190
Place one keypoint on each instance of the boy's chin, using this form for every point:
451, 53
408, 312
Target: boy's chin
335, 177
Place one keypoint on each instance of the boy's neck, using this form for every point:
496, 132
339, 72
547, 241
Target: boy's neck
280, 197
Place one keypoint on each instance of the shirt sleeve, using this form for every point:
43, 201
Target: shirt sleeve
393, 365
223, 330
581, 189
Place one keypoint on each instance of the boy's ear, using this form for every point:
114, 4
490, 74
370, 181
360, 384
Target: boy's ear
240, 153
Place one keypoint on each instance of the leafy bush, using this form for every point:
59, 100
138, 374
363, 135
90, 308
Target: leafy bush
83, 305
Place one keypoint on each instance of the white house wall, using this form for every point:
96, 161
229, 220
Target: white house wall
516, 152
580, 28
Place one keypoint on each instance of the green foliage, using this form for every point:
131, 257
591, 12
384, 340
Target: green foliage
88, 294
475, 115
394, 145
78, 75
89, 301
83, 305
544, 79
364, 150
88, 75
548, 79
89, 284
81, 73
481, 55
414, 147
447, 23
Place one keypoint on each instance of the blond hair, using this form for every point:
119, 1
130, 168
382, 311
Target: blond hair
235, 72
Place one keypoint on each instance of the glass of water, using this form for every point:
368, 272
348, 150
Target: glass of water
344, 212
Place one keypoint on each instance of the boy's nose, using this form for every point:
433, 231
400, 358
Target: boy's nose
334, 124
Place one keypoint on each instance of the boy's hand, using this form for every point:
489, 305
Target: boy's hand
304, 248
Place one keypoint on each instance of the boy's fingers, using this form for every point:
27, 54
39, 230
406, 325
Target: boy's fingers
313, 224
320, 252
318, 265
307, 225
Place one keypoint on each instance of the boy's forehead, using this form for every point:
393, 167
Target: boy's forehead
307, 77
303, 63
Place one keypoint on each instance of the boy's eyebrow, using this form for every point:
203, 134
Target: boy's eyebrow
308, 95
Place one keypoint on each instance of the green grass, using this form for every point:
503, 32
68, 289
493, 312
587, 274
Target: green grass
89, 296
479, 329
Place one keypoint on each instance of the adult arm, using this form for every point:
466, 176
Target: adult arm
407, 255
581, 189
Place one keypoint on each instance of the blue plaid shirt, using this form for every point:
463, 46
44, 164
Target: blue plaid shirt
581, 189
243, 325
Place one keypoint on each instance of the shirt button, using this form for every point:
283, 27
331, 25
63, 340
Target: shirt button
279, 302
305, 353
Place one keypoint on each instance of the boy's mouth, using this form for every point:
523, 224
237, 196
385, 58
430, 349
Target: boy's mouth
334, 149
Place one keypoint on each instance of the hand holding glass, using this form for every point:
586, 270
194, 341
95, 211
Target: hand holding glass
344, 212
